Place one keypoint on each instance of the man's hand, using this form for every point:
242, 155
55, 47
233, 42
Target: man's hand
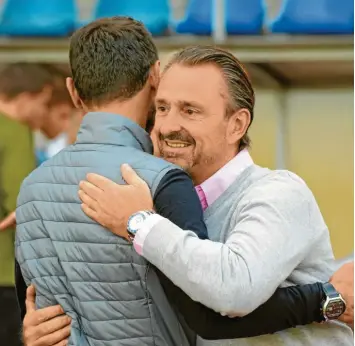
111, 204
9, 221
343, 282
44, 327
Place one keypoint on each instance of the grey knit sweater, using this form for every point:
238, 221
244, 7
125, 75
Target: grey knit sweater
266, 231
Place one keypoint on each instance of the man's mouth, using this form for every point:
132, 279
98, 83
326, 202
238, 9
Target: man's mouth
177, 144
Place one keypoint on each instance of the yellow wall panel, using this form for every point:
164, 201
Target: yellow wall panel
320, 148
264, 128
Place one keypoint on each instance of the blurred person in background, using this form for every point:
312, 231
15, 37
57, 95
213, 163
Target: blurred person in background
53, 135
25, 93
58, 127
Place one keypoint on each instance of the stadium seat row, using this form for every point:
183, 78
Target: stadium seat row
55, 18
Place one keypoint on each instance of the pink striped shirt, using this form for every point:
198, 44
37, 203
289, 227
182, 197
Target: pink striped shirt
215, 186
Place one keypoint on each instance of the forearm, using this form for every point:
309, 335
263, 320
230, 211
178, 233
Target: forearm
288, 307
208, 272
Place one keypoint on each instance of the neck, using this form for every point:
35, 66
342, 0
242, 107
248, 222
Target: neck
9, 109
135, 109
201, 173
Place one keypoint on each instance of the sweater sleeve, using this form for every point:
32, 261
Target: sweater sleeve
176, 199
270, 237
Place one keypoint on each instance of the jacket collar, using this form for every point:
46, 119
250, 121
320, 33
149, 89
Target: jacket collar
113, 129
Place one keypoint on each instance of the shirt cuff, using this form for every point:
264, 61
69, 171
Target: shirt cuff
146, 226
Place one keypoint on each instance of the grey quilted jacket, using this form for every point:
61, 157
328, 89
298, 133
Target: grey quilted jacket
112, 294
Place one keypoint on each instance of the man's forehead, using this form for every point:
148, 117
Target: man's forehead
191, 82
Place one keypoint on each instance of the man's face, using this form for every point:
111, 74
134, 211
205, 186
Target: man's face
190, 124
33, 108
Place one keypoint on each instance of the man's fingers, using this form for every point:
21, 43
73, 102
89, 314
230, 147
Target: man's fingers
131, 177
100, 182
88, 201
90, 189
8, 222
55, 338
62, 343
30, 299
55, 324
47, 314
89, 212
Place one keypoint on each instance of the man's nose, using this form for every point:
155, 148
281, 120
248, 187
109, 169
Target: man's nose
169, 123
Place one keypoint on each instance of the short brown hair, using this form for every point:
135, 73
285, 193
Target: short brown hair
241, 92
18, 78
110, 59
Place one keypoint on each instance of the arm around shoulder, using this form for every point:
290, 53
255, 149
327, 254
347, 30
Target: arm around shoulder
270, 236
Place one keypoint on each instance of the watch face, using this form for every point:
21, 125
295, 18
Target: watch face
135, 222
334, 309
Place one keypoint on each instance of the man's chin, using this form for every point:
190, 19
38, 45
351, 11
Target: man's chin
178, 161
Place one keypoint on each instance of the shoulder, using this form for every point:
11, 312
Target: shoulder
282, 182
157, 170
281, 189
282, 198
42, 174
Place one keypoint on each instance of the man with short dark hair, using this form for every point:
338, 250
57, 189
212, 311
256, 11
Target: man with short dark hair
110, 293
119, 42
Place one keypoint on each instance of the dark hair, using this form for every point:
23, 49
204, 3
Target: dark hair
18, 78
241, 92
110, 59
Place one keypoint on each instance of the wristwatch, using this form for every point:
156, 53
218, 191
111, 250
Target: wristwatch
333, 305
135, 221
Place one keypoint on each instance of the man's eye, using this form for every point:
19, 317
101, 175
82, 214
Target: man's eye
190, 111
161, 109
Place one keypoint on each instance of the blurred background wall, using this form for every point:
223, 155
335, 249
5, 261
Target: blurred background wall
319, 146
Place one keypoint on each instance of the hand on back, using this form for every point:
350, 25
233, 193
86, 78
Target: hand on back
44, 327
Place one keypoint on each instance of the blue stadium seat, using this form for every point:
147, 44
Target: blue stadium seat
315, 17
155, 14
38, 17
243, 17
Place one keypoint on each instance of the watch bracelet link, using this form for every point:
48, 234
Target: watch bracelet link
147, 213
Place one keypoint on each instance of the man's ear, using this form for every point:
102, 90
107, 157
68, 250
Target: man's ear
238, 124
73, 93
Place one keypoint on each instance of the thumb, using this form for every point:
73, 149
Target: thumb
30, 299
131, 177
